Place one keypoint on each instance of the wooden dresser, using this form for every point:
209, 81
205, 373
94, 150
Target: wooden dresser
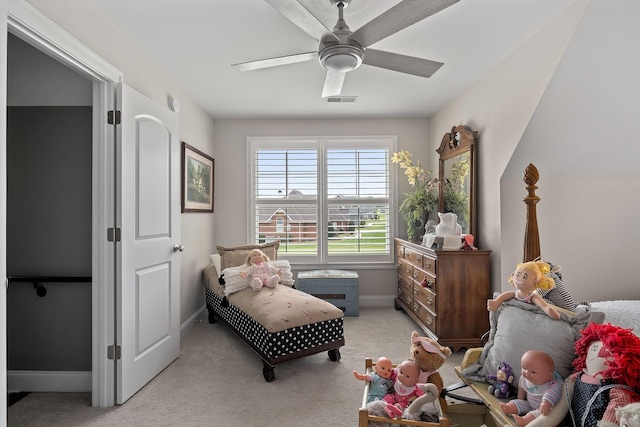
445, 292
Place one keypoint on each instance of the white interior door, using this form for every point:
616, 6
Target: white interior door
148, 288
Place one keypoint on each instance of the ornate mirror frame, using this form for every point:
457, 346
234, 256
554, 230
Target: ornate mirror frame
458, 151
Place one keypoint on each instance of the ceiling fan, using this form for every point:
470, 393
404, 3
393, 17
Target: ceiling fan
343, 50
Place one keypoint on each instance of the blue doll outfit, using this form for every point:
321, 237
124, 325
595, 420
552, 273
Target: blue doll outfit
379, 387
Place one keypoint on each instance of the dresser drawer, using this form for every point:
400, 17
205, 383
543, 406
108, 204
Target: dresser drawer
427, 317
423, 278
405, 282
405, 295
425, 296
405, 267
429, 264
413, 257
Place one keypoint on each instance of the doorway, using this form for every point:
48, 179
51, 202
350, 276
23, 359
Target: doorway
49, 133
135, 268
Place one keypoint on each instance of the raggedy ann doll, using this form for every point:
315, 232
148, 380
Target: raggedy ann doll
607, 371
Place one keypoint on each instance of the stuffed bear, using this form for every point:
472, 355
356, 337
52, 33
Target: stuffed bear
430, 356
421, 409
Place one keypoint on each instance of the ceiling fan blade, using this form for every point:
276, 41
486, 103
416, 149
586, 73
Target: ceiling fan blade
333, 83
402, 63
400, 16
274, 62
302, 17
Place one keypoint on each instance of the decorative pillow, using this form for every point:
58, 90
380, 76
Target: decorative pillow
518, 327
216, 259
286, 278
233, 282
237, 255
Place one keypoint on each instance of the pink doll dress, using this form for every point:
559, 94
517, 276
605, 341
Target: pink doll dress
262, 274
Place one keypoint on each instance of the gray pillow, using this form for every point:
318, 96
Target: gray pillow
518, 327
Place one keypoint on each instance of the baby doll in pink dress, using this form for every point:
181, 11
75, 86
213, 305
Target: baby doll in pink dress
262, 273
405, 390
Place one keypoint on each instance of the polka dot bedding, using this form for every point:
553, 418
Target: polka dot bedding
281, 323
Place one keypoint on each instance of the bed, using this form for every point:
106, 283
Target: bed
505, 340
279, 324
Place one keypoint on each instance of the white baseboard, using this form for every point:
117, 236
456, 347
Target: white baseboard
195, 318
48, 381
377, 300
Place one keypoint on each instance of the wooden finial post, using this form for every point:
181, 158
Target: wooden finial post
531, 235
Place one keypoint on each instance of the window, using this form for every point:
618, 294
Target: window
328, 200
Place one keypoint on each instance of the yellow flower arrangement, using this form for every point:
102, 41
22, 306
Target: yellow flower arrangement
418, 204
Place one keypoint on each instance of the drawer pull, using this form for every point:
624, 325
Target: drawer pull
419, 258
430, 300
407, 269
416, 308
415, 291
428, 265
409, 300
415, 274
429, 320
430, 283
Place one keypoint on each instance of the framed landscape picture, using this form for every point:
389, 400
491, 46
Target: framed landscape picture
197, 180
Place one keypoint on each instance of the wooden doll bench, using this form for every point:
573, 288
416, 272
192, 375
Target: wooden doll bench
495, 415
364, 417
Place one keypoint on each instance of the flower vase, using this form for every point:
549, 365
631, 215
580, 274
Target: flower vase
416, 227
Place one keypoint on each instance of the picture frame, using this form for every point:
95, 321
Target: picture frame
197, 180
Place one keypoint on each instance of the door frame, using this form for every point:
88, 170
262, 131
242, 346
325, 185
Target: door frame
25, 22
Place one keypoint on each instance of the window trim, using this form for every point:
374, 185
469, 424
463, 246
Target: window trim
322, 144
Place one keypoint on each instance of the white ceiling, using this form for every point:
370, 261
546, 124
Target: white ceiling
196, 41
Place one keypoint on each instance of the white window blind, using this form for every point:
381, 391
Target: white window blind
326, 200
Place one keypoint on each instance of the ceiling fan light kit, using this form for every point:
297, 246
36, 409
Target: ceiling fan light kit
341, 58
342, 50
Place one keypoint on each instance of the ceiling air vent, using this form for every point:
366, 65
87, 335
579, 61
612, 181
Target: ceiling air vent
342, 98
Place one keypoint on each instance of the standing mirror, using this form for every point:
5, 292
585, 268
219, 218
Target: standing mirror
457, 177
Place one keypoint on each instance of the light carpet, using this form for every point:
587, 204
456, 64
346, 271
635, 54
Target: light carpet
217, 381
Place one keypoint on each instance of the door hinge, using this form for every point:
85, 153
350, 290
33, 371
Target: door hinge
113, 117
113, 352
113, 234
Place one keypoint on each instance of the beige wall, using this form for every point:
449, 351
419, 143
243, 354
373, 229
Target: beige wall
378, 283
499, 107
565, 101
82, 19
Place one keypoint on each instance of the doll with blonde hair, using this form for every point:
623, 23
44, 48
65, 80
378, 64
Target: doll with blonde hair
527, 279
262, 273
